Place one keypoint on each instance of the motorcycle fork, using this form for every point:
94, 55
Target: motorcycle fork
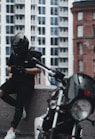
75, 134
56, 113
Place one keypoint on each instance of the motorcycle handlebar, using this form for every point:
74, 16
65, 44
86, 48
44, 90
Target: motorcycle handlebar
54, 73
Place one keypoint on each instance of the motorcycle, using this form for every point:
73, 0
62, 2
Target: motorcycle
71, 102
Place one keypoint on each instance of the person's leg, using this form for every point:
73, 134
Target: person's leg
7, 98
23, 93
6, 89
21, 101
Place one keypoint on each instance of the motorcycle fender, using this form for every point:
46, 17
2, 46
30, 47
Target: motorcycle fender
38, 125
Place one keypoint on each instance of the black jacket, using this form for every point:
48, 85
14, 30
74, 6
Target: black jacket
26, 62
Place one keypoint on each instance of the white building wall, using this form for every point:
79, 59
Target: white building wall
3, 39
70, 38
28, 18
27, 27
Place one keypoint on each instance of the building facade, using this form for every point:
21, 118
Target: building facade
47, 25
84, 36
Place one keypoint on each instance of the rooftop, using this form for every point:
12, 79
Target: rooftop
84, 3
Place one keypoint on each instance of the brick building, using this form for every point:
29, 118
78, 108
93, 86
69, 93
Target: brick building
84, 36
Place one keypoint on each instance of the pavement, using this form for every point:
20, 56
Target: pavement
35, 107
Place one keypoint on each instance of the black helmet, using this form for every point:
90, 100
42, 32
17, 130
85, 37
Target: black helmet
19, 43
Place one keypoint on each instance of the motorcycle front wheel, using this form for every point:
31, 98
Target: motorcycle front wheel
41, 136
61, 136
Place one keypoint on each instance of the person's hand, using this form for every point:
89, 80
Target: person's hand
17, 70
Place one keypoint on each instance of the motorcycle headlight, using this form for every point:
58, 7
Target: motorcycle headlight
81, 109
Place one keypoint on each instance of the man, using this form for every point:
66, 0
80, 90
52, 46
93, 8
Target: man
22, 70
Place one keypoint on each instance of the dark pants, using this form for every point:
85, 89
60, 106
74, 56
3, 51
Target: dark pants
23, 89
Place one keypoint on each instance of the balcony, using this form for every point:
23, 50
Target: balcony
63, 3
33, 43
20, 11
63, 23
33, 12
63, 44
33, 33
33, 22
19, 30
33, 2
63, 54
20, 2
19, 22
63, 14
63, 64
63, 34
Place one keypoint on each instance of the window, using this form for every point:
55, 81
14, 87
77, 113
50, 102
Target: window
94, 15
43, 61
42, 1
63, 9
41, 20
33, 18
63, 40
42, 50
54, 41
41, 40
9, 19
54, 2
54, 51
10, 8
80, 16
8, 50
80, 31
80, 48
80, 65
54, 31
64, 50
10, 1
32, 28
94, 30
54, 61
10, 29
94, 65
32, 7
54, 21
8, 40
0, 32
64, 60
54, 10
64, 70
41, 30
0, 7
41, 10
63, 30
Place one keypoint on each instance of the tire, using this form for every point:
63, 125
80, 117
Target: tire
41, 136
61, 136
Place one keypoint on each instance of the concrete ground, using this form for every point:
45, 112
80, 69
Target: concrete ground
36, 107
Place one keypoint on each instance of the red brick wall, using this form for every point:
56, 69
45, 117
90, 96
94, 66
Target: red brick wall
88, 39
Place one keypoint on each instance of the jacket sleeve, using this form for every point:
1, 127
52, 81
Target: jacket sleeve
10, 60
36, 54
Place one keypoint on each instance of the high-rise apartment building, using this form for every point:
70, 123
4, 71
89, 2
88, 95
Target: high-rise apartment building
48, 26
